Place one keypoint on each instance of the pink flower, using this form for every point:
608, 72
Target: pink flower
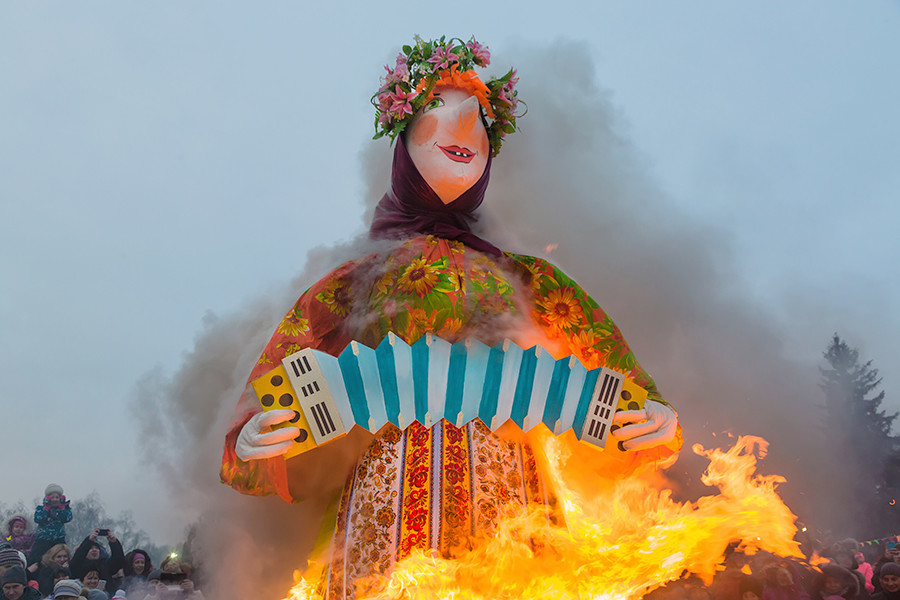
442, 57
399, 74
401, 69
401, 102
513, 80
481, 53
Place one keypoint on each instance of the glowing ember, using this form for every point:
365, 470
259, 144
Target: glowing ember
622, 537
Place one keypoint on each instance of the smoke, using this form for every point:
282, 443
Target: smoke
570, 182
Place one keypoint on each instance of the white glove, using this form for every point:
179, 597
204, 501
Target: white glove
253, 443
652, 426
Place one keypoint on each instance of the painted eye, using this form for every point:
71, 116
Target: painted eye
434, 103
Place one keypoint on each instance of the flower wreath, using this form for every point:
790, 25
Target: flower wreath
410, 84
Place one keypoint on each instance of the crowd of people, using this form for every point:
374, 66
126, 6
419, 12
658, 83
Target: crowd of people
40, 564
843, 571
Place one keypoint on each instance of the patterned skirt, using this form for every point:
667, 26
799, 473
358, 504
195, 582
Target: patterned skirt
435, 490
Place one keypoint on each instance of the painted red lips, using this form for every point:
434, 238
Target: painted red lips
457, 154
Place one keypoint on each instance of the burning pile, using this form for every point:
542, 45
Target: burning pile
622, 537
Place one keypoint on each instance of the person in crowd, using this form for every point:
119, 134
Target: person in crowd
835, 580
782, 584
170, 564
10, 557
890, 582
67, 589
866, 569
14, 585
145, 589
751, 588
89, 551
890, 555
59, 574
90, 576
17, 536
137, 566
169, 585
51, 517
844, 557
119, 595
44, 571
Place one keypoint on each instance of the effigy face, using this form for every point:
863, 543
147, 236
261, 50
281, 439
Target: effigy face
448, 143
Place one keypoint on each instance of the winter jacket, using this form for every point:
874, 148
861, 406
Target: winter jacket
107, 567
51, 520
23, 542
29, 594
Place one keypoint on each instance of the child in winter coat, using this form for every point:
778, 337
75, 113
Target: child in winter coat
16, 535
51, 517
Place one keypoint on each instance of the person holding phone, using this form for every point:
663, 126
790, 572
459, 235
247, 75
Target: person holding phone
89, 556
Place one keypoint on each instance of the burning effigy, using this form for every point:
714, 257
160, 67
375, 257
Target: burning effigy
516, 440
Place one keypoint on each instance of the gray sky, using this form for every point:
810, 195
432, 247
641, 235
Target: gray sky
164, 162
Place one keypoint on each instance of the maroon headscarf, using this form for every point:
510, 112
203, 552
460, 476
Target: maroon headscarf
411, 207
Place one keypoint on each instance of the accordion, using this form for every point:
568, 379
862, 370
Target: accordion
433, 379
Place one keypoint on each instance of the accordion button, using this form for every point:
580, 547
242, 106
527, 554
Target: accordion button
267, 400
277, 380
302, 437
286, 400
296, 417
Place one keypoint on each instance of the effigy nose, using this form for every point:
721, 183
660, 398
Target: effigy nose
467, 115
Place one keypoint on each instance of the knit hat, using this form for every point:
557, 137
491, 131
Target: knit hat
890, 568
11, 557
53, 488
97, 595
14, 575
67, 588
120, 595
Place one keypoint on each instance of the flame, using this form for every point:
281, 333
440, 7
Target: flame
622, 537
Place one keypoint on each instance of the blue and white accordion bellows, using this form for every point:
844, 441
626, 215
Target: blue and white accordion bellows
433, 379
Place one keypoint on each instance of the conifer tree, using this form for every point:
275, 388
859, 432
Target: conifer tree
864, 448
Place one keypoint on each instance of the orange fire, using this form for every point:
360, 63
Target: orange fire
622, 537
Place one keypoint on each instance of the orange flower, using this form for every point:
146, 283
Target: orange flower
584, 343
467, 80
420, 322
451, 326
418, 278
563, 309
